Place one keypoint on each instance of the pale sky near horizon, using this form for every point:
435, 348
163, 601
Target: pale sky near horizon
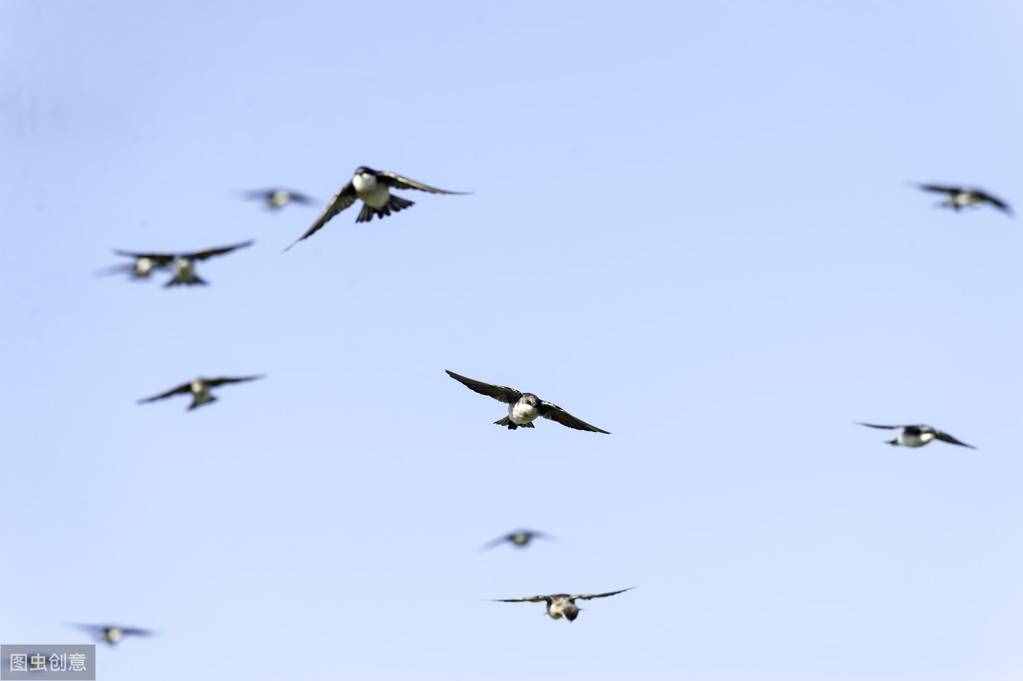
691, 225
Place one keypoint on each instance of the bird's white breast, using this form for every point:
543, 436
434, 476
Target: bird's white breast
557, 608
184, 267
369, 190
914, 440
364, 183
521, 413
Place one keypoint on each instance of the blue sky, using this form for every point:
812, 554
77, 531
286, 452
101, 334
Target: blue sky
690, 226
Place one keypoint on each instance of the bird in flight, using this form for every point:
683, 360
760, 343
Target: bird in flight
561, 605
523, 408
199, 388
142, 266
275, 198
373, 188
112, 634
517, 538
957, 197
916, 435
184, 263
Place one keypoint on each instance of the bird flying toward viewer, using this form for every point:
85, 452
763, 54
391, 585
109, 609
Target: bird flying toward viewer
562, 605
373, 188
523, 408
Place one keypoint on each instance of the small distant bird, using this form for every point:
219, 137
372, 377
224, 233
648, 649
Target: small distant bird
199, 388
916, 435
523, 408
112, 633
518, 538
184, 264
275, 198
561, 605
143, 266
958, 197
373, 188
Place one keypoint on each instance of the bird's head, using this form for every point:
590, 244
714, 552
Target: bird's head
530, 399
365, 170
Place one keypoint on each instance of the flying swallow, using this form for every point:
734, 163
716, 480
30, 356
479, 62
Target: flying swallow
143, 265
517, 538
275, 198
199, 388
523, 408
373, 188
184, 263
112, 634
561, 605
957, 197
916, 435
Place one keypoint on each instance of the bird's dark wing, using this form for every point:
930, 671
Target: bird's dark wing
94, 629
299, 197
259, 194
494, 543
226, 380
994, 201
401, 182
586, 597
500, 393
530, 599
135, 631
159, 258
343, 199
556, 413
877, 425
179, 390
123, 268
219, 250
940, 188
945, 437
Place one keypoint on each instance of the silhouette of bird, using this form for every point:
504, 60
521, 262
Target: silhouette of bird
916, 435
275, 198
199, 388
184, 263
958, 197
561, 605
517, 538
143, 266
112, 634
523, 408
373, 188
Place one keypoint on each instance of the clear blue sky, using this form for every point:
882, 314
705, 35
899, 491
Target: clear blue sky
691, 226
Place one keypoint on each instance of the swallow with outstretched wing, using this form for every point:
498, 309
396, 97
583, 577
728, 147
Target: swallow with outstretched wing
523, 408
374, 188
